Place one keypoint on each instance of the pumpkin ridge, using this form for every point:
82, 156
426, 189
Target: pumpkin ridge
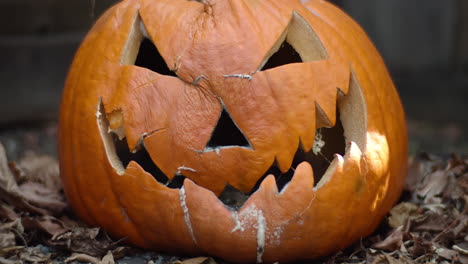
65, 118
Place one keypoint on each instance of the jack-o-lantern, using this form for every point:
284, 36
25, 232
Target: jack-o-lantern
250, 130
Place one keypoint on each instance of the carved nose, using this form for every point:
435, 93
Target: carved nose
226, 134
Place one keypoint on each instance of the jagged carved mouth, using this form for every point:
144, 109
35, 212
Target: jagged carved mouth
329, 141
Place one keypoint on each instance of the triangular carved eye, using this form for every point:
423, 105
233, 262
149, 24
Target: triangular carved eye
140, 51
298, 43
150, 58
226, 134
285, 55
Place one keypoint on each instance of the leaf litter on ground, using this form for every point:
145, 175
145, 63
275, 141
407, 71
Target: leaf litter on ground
428, 225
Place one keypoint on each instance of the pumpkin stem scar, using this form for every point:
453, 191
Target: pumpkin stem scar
183, 204
242, 76
261, 226
197, 80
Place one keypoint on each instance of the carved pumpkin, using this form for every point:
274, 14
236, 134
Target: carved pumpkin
244, 129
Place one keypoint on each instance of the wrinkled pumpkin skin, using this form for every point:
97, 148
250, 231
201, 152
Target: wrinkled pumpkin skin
275, 110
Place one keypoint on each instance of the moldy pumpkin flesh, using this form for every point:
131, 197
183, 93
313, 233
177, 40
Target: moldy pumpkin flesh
250, 130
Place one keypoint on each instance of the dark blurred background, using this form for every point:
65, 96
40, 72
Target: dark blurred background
424, 43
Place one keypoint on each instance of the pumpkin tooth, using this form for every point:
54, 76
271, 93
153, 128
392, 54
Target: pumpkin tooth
337, 162
284, 160
234, 227
303, 178
322, 119
352, 150
269, 183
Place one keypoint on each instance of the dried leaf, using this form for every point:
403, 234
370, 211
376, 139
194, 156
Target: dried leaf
8, 233
416, 170
71, 222
421, 247
453, 190
387, 259
13, 225
461, 248
84, 240
107, 259
463, 259
121, 252
199, 260
7, 213
463, 183
400, 214
432, 221
8, 251
48, 224
7, 239
434, 185
446, 253
33, 254
10, 261
40, 196
393, 242
7, 180
82, 258
42, 169
10, 191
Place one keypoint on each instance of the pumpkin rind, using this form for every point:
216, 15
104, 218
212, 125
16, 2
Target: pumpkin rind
275, 109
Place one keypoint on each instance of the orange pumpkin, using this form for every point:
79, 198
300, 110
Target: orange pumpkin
249, 130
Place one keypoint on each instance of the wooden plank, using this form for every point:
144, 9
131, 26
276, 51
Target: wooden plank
415, 35
49, 16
